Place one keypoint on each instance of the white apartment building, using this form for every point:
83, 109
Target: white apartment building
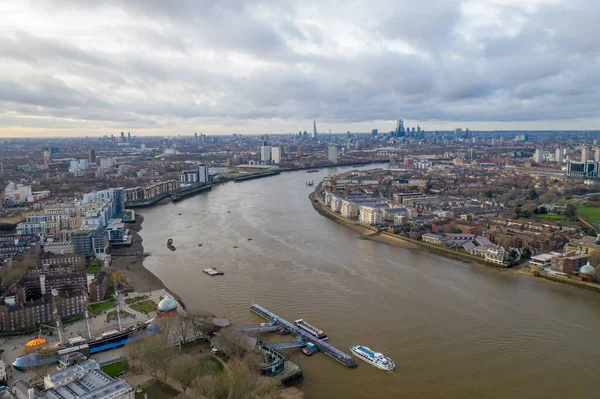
370, 215
336, 204
332, 154
265, 153
349, 210
276, 154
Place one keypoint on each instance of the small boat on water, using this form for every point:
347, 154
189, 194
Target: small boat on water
312, 330
170, 244
310, 183
312, 170
200, 244
179, 214
213, 271
375, 358
249, 238
355, 166
228, 211
235, 246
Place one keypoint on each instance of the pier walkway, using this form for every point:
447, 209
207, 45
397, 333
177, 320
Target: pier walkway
258, 329
287, 345
323, 346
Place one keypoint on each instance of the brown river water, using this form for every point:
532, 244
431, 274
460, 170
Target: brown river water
454, 330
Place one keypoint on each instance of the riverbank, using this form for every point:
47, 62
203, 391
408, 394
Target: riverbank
176, 197
383, 238
396, 240
132, 266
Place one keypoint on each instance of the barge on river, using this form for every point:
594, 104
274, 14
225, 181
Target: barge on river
312, 330
213, 271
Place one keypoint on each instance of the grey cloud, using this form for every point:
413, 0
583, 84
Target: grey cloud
181, 68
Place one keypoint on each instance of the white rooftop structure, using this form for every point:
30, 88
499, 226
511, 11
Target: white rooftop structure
85, 381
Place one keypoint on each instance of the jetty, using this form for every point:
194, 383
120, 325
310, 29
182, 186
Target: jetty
189, 192
254, 176
302, 336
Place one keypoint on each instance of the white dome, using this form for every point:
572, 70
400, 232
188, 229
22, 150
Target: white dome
167, 304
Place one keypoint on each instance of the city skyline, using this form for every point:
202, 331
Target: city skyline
152, 68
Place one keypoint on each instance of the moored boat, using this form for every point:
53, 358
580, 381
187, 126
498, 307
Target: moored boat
312, 330
375, 358
213, 271
105, 341
170, 244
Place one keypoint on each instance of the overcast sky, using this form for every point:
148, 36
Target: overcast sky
177, 67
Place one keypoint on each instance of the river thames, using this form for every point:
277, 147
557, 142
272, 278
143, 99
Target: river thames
454, 330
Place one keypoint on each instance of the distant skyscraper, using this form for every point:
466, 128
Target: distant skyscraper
332, 153
92, 156
265, 153
558, 157
196, 137
374, 132
47, 157
315, 133
203, 176
538, 157
122, 137
399, 128
457, 134
584, 154
129, 137
276, 154
597, 155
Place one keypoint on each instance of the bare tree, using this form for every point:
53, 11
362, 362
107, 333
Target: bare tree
182, 327
135, 351
187, 369
232, 342
202, 325
166, 327
212, 387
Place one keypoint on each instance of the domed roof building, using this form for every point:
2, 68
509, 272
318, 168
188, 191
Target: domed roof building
588, 272
166, 307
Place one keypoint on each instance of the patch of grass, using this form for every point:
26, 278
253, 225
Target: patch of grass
565, 201
99, 307
548, 216
110, 292
95, 266
145, 306
136, 299
211, 365
589, 213
115, 369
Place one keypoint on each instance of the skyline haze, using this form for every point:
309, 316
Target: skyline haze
155, 68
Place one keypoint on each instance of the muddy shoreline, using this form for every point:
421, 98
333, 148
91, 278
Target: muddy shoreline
132, 267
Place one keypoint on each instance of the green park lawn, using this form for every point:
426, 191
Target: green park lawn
589, 213
95, 266
99, 307
115, 369
210, 365
548, 216
146, 306
129, 301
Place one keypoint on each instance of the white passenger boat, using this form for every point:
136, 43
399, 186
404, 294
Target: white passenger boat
375, 358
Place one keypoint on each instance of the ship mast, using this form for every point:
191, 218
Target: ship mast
55, 312
118, 308
87, 323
